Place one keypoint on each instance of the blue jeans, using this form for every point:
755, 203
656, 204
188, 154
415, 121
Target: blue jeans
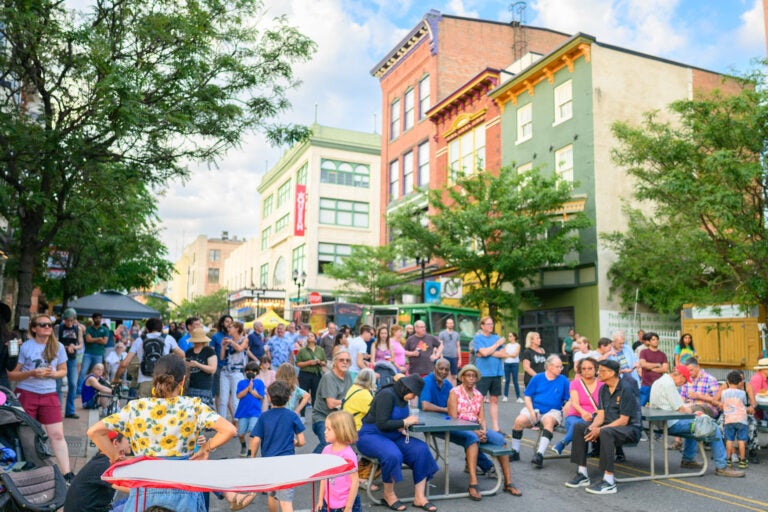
71, 386
690, 446
645, 395
318, 428
509, 370
466, 438
88, 361
570, 421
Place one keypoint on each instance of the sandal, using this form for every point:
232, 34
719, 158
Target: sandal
240, 501
397, 506
511, 489
428, 507
474, 495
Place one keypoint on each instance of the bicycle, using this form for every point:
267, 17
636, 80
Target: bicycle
117, 400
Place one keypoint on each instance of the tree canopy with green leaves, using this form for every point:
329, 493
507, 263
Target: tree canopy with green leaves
206, 307
702, 237
496, 231
367, 276
128, 91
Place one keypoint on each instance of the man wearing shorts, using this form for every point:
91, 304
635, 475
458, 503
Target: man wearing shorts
545, 396
489, 359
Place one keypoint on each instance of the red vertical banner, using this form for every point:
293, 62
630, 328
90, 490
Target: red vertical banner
300, 210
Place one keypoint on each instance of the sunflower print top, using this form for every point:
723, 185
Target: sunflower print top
162, 427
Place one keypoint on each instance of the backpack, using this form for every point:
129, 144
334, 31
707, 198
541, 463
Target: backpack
153, 350
703, 427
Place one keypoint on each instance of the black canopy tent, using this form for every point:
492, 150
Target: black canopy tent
113, 305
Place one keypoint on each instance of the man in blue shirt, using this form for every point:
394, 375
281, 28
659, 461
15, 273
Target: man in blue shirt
191, 324
434, 398
545, 396
280, 347
256, 342
489, 359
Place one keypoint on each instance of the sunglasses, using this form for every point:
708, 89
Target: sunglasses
44, 325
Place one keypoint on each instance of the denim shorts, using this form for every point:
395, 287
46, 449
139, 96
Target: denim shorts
736, 432
282, 494
245, 425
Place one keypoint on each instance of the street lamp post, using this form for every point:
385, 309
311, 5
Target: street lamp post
299, 281
258, 294
422, 262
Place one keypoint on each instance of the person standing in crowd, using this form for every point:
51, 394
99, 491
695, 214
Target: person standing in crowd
358, 350
121, 333
684, 349
422, 350
234, 357
734, 405
280, 346
654, 364
566, 349
201, 364
113, 360
250, 393
533, 358
222, 331
759, 382
451, 349
71, 337
311, 363
191, 324
148, 350
42, 360
326, 341
256, 342
617, 422
512, 366
489, 353
7, 360
398, 351
582, 350
166, 426
381, 350
409, 331
330, 393
640, 341
96, 339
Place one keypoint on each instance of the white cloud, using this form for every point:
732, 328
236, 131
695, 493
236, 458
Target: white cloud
751, 32
458, 8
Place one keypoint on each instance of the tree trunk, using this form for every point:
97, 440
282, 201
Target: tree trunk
29, 250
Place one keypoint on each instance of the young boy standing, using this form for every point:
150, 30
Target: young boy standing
250, 393
274, 432
734, 408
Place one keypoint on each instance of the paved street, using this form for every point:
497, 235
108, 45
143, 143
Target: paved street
542, 488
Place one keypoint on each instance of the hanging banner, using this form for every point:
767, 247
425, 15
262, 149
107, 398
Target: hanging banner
300, 210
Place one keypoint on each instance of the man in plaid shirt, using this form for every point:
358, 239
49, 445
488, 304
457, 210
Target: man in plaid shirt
701, 390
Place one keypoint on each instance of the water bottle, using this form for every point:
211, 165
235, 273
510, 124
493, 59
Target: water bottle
13, 347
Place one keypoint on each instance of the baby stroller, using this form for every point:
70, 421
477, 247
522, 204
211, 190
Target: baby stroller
386, 372
29, 479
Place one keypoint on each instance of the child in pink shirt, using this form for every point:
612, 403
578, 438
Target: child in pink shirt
339, 494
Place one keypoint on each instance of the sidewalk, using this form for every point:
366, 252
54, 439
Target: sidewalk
80, 450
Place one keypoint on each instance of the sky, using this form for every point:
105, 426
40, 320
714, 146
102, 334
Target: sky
353, 35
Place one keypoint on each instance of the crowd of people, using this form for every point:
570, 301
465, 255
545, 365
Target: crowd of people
358, 390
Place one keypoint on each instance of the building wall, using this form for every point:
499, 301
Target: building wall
192, 270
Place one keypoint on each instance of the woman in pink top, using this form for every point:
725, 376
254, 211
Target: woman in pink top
382, 349
585, 392
398, 352
466, 403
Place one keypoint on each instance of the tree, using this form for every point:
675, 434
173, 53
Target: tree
367, 277
138, 90
704, 179
496, 230
206, 307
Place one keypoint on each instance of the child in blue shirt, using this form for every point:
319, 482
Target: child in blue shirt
250, 392
274, 432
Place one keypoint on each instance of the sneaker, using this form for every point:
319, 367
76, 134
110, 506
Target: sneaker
729, 472
514, 456
743, 464
249, 454
537, 460
244, 451
692, 464
557, 448
602, 487
72, 416
520, 400
728, 463
578, 481
491, 473
505, 399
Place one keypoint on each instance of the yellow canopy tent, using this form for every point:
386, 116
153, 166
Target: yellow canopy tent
269, 320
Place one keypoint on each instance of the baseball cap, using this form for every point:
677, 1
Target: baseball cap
684, 371
69, 313
611, 365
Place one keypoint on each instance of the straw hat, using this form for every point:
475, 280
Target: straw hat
762, 364
470, 368
198, 336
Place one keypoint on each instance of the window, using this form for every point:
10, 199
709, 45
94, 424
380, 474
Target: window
213, 276
280, 273
408, 173
564, 162
410, 111
265, 234
266, 208
214, 255
282, 223
394, 120
466, 153
301, 175
563, 102
298, 260
331, 253
264, 275
423, 163
343, 213
524, 123
394, 180
523, 169
423, 97
349, 174
283, 193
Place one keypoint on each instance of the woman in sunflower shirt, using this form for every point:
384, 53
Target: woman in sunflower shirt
166, 426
